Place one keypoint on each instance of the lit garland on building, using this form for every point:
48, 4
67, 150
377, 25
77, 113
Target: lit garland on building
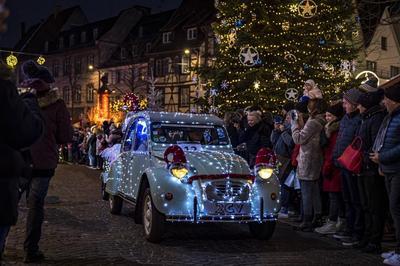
277, 45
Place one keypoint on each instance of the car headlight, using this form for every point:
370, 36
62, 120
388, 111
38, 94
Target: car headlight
265, 173
179, 171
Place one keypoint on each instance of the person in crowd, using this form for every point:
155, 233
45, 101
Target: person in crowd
311, 90
232, 123
283, 144
91, 147
256, 136
100, 146
307, 135
44, 153
332, 183
286, 108
386, 153
75, 146
371, 185
20, 115
115, 137
348, 129
106, 127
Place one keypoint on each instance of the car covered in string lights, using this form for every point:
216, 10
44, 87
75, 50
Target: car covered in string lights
180, 167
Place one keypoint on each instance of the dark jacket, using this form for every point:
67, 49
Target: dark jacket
331, 173
233, 135
21, 128
282, 142
256, 137
388, 144
349, 126
371, 121
58, 130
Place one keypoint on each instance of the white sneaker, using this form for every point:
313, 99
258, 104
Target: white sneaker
394, 260
341, 224
387, 255
329, 228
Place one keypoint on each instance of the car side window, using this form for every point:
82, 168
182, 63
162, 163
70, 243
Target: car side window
141, 136
130, 137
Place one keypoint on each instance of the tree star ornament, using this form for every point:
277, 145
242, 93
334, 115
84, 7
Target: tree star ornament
307, 8
291, 94
256, 84
224, 85
249, 56
293, 8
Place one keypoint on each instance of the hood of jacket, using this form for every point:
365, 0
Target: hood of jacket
332, 127
50, 98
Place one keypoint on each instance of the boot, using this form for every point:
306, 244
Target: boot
317, 221
306, 225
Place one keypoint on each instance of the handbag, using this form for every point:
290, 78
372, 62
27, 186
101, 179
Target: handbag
292, 181
351, 159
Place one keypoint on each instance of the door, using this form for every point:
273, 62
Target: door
124, 158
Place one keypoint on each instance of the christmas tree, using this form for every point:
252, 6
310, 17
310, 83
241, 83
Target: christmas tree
266, 50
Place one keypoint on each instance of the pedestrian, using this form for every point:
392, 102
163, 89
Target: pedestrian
100, 146
91, 147
386, 153
332, 183
348, 129
307, 135
255, 136
21, 118
44, 153
232, 124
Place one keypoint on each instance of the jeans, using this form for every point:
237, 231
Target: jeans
351, 197
284, 171
374, 202
393, 188
92, 160
37, 194
311, 198
3, 236
336, 206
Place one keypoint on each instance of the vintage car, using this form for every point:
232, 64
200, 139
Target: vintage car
180, 167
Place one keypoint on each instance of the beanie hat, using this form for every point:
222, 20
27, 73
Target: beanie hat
370, 99
352, 96
304, 99
336, 110
393, 92
301, 107
32, 70
288, 106
369, 86
278, 119
311, 83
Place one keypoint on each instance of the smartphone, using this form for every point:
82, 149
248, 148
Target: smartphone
294, 115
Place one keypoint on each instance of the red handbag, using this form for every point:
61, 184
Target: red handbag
351, 158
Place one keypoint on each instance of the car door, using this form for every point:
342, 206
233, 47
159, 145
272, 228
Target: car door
139, 157
125, 156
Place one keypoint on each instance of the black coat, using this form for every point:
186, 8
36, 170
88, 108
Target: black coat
233, 135
256, 137
22, 125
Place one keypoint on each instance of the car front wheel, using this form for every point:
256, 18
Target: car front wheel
153, 221
115, 204
262, 231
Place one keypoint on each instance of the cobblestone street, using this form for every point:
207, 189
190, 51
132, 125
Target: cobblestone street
79, 230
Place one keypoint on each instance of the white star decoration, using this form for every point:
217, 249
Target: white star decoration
291, 94
249, 56
224, 85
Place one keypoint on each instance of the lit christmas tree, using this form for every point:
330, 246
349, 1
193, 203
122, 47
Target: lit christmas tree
266, 50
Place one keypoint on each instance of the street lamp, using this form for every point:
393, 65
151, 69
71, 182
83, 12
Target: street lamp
187, 51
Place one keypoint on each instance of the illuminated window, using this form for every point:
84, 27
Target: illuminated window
89, 93
192, 34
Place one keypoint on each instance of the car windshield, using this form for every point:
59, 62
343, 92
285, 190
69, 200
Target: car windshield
200, 134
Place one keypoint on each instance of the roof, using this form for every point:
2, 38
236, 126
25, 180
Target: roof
391, 82
179, 118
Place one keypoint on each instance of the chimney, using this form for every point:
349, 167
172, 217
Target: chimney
23, 29
57, 10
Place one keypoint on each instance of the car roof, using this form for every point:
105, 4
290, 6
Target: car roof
179, 118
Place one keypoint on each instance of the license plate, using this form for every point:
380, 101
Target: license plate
223, 209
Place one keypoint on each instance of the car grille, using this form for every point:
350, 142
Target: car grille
227, 191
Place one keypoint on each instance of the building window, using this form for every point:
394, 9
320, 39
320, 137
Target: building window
83, 36
78, 65
95, 33
77, 94
123, 53
134, 50
148, 47
184, 97
384, 43
118, 76
185, 65
71, 40
159, 67
371, 65
192, 34
167, 37
89, 93
67, 66
66, 94
46, 46
167, 66
56, 69
140, 33
394, 71
61, 43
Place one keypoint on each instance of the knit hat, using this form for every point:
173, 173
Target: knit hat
393, 92
369, 86
32, 70
352, 96
311, 83
288, 106
301, 107
336, 110
304, 99
370, 99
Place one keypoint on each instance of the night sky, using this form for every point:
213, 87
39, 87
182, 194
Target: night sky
31, 11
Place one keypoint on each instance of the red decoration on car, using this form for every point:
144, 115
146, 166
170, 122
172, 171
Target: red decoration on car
178, 155
266, 156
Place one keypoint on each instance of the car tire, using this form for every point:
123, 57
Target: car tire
115, 204
104, 194
262, 231
153, 220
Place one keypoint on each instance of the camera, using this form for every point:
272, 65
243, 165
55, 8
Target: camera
294, 115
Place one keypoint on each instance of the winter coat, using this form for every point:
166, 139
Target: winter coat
256, 137
233, 135
371, 121
22, 126
331, 174
387, 143
58, 130
282, 142
295, 155
310, 157
349, 126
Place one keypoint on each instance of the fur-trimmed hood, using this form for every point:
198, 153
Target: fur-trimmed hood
51, 97
332, 127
